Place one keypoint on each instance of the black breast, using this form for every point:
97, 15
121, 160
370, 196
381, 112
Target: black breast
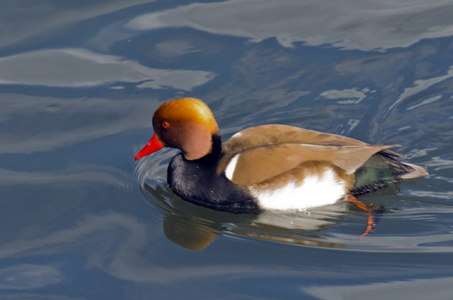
197, 181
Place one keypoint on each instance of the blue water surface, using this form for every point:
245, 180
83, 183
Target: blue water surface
80, 80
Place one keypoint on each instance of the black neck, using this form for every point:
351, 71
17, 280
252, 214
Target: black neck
197, 181
216, 151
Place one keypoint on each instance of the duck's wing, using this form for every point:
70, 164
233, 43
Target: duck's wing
256, 164
265, 135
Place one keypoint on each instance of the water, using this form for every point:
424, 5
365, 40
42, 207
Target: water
80, 81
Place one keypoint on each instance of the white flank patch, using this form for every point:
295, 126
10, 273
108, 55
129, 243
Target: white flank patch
229, 170
237, 134
313, 191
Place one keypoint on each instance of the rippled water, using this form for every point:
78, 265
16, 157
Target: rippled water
79, 83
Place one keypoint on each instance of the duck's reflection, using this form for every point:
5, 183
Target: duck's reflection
195, 227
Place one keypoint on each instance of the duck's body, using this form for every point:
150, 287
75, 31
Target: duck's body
268, 166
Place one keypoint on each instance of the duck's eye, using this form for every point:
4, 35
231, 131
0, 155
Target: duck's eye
165, 124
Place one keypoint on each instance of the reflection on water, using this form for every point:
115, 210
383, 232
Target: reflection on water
346, 24
195, 227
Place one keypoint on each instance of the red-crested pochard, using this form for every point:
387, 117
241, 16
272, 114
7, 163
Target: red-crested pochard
266, 167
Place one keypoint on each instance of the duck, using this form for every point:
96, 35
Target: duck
267, 167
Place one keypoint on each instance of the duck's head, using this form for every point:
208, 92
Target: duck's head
186, 124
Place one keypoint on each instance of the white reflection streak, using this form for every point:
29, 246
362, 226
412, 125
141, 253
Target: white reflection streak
73, 67
426, 101
420, 85
403, 244
425, 288
439, 163
440, 195
105, 175
353, 96
28, 276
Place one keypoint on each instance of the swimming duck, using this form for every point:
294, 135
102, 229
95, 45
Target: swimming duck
267, 167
